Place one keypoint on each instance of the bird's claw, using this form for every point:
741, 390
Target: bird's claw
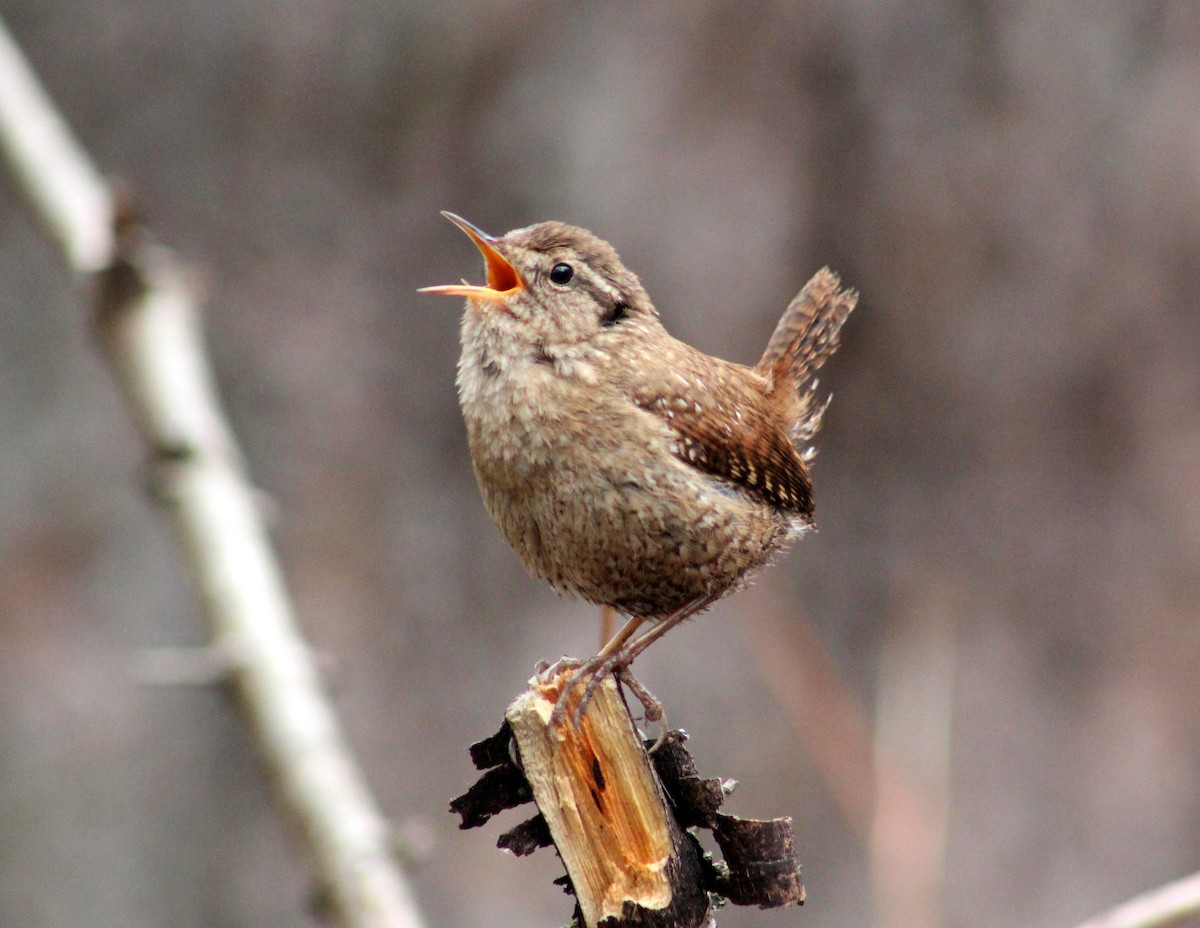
617, 666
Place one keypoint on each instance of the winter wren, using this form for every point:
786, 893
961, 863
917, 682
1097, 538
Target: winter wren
621, 464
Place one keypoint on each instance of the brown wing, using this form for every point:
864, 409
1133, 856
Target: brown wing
724, 427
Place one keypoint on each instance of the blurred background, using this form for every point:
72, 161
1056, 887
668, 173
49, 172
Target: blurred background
999, 611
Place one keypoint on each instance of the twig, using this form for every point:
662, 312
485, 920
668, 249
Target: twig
1154, 909
65, 189
145, 317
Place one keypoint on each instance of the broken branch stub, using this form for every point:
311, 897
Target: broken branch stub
618, 816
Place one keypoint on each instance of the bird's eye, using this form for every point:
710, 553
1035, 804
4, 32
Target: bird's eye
562, 273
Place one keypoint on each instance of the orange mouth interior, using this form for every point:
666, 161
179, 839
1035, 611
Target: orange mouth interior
502, 278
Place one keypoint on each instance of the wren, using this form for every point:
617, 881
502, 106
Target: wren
622, 465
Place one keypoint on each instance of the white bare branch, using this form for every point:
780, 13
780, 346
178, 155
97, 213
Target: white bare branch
146, 319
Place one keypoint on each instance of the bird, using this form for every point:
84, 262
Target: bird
621, 464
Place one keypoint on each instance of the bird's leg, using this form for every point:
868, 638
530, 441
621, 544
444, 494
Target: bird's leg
615, 658
629, 653
603, 663
651, 635
617, 641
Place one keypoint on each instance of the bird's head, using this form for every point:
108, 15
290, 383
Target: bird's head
550, 285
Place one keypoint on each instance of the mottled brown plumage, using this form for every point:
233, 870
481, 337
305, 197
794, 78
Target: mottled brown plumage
621, 464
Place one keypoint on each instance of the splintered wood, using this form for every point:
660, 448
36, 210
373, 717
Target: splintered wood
599, 796
622, 819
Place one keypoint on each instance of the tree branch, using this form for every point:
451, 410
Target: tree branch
146, 321
65, 189
1154, 909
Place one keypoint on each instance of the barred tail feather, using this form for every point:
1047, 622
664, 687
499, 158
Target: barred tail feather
808, 333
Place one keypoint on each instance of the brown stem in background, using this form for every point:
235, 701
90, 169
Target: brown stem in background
817, 701
898, 819
913, 749
608, 624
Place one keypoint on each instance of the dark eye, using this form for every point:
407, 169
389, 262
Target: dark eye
562, 273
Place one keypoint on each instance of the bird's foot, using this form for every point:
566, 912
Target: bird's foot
651, 708
591, 674
594, 670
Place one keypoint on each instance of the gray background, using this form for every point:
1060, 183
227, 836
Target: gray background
1009, 468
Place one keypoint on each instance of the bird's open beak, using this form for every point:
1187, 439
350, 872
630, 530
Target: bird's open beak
502, 278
